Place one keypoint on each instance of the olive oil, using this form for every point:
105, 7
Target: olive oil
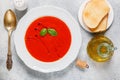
100, 48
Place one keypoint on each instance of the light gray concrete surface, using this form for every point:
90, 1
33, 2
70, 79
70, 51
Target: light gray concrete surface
98, 71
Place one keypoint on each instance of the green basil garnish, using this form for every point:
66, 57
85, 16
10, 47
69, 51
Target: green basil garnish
43, 32
52, 32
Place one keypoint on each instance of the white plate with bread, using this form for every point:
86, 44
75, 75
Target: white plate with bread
95, 15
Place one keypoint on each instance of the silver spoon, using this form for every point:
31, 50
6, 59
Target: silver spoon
10, 25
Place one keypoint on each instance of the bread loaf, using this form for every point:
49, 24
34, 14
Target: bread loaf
94, 12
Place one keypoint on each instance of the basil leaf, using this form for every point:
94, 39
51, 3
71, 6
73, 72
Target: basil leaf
52, 32
43, 32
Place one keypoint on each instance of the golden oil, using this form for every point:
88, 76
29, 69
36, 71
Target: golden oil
100, 48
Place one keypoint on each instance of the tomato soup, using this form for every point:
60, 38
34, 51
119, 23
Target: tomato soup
48, 39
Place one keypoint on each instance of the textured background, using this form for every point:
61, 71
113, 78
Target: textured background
97, 71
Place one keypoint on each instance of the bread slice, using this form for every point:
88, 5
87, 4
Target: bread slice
102, 26
94, 12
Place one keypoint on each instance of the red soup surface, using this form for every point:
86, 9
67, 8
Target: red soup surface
48, 39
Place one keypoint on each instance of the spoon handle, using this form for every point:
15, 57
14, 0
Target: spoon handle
9, 62
9, 55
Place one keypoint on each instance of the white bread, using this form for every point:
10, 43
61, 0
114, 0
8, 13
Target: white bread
102, 26
94, 12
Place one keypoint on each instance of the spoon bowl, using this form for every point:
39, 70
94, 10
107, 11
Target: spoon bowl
10, 20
